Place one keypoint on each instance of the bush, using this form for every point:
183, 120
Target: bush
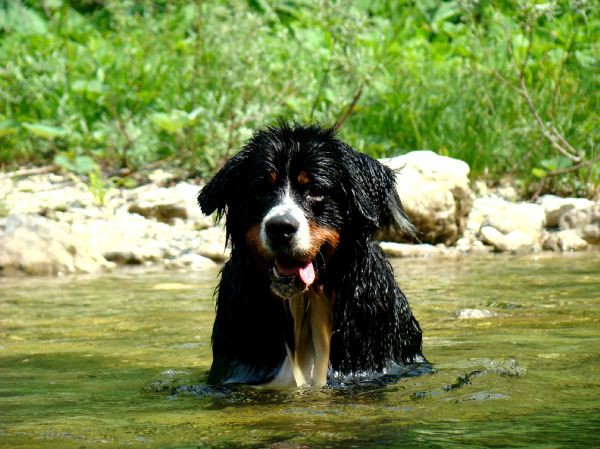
130, 83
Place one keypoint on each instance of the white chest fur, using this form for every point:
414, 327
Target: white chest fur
307, 364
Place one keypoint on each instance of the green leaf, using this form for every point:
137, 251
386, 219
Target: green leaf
445, 12
85, 164
555, 163
171, 122
7, 127
586, 58
20, 19
63, 161
539, 172
94, 87
520, 43
82, 164
45, 131
550, 164
53, 4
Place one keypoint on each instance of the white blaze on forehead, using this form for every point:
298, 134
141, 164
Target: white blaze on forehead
288, 207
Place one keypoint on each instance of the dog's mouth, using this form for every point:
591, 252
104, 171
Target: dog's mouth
293, 274
303, 270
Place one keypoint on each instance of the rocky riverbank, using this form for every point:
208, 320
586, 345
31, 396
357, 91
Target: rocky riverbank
53, 224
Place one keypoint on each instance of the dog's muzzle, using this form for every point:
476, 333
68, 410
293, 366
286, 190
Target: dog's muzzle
291, 274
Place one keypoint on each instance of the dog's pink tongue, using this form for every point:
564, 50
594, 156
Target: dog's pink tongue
307, 273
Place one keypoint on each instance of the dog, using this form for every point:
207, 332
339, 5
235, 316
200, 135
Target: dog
306, 292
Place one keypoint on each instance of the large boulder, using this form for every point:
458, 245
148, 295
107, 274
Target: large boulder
435, 193
585, 221
32, 244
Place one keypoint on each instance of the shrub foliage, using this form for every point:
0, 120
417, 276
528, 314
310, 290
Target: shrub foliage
509, 87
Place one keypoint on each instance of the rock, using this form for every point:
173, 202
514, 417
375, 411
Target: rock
211, 244
161, 212
470, 244
193, 261
43, 194
567, 240
585, 221
393, 249
35, 245
130, 239
507, 192
555, 207
161, 177
480, 188
166, 204
470, 314
435, 193
507, 217
514, 242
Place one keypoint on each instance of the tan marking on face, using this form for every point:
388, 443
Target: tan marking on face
319, 236
255, 242
303, 178
272, 177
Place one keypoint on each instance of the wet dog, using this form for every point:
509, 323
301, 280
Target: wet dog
306, 292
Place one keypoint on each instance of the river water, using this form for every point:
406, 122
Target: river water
119, 360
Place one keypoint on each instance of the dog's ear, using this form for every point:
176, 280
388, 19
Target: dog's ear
371, 187
216, 195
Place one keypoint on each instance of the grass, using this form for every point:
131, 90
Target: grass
133, 84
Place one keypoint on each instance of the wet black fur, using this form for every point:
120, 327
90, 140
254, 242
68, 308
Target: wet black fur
372, 322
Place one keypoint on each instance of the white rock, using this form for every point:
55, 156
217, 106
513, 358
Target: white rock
508, 193
470, 314
211, 244
480, 188
193, 261
585, 221
38, 195
161, 177
519, 241
128, 238
169, 203
469, 243
567, 240
35, 245
555, 207
435, 193
508, 217
515, 241
393, 249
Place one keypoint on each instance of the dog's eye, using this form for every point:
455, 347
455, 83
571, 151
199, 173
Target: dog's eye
315, 194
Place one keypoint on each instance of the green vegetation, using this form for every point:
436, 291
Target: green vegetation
509, 87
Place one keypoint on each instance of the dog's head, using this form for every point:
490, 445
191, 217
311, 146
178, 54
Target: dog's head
294, 195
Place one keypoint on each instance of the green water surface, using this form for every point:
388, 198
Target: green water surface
92, 362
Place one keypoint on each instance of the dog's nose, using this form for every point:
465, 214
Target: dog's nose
281, 229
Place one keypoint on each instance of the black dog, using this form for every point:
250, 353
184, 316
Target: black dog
306, 288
